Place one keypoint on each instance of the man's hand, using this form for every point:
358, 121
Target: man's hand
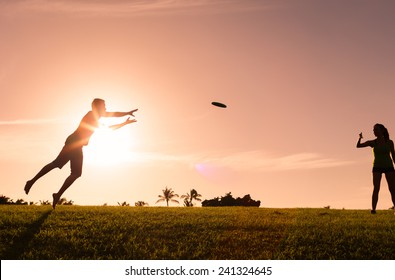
128, 121
132, 112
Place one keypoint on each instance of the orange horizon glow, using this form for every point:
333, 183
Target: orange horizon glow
301, 80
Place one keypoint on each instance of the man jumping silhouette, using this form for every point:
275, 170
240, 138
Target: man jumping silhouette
72, 150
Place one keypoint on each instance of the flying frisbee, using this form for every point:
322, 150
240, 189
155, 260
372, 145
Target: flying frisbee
218, 104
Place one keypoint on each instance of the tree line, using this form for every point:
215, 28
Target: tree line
167, 195
6, 200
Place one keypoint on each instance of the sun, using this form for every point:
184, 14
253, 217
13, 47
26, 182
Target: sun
107, 146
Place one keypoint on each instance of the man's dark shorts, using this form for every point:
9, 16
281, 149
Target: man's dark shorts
73, 154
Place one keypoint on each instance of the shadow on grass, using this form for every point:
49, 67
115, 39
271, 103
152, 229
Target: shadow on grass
22, 242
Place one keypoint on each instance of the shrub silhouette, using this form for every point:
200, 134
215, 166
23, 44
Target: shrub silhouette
229, 200
6, 200
141, 203
123, 204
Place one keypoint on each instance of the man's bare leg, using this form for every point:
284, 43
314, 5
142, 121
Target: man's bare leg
67, 183
42, 172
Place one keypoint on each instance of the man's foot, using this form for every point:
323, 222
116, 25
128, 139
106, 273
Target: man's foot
28, 186
372, 211
55, 200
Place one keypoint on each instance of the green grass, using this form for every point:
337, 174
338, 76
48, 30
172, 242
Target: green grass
84, 232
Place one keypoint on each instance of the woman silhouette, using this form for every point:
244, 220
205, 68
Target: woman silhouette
383, 149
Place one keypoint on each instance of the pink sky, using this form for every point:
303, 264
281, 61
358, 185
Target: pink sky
301, 79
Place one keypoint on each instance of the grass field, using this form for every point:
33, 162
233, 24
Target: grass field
104, 232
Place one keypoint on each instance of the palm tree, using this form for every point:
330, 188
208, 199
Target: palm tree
167, 196
189, 197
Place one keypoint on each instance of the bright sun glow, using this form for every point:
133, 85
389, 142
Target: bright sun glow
106, 146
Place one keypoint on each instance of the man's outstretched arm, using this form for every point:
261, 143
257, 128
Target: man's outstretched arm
116, 126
